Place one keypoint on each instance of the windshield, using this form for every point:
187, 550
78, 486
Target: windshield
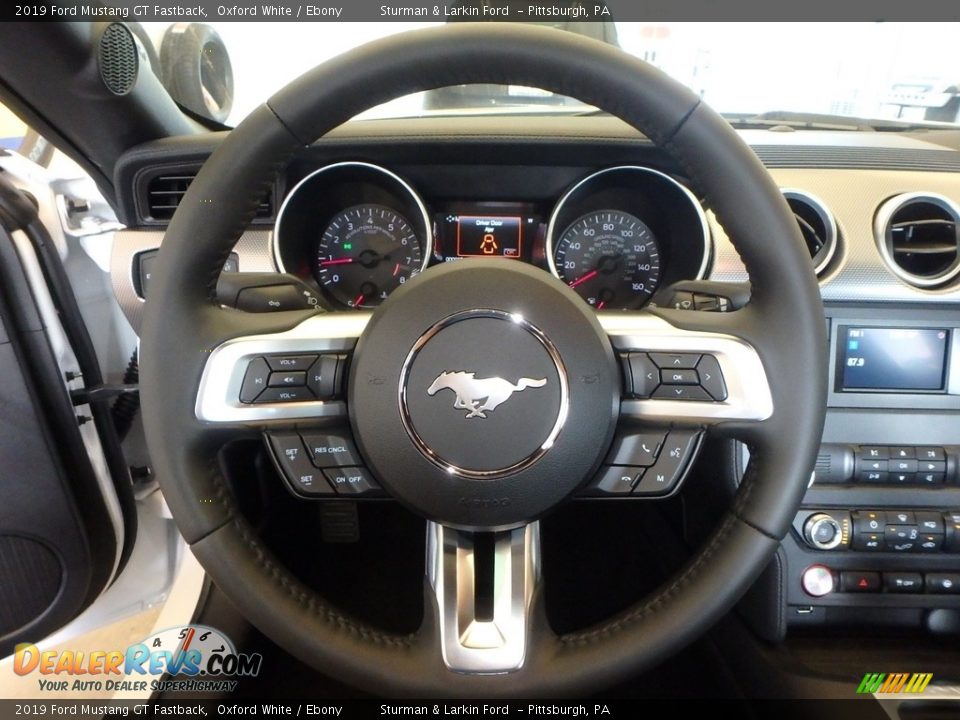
875, 70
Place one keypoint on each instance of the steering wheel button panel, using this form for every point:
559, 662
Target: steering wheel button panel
291, 459
329, 450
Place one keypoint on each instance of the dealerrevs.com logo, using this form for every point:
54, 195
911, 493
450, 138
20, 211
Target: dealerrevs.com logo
192, 658
886, 683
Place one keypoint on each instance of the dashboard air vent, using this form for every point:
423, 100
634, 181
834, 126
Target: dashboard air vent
918, 235
817, 225
164, 193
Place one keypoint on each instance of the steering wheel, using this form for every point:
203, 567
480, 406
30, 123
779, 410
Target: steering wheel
505, 470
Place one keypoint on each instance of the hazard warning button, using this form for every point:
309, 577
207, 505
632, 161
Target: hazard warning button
859, 581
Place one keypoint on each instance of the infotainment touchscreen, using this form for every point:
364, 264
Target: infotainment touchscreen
881, 359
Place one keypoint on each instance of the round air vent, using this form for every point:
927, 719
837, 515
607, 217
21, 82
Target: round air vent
817, 225
119, 59
918, 236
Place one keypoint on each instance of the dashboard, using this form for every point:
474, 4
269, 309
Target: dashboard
363, 210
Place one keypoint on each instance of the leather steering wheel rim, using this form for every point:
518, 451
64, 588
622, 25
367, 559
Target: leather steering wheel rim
783, 321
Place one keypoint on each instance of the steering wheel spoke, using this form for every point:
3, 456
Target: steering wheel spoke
484, 587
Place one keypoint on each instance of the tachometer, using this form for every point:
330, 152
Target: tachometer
610, 258
366, 252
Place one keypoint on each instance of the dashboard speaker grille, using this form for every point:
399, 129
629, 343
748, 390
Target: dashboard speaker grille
31, 575
918, 235
118, 59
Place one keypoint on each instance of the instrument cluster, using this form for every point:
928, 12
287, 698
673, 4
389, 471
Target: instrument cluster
359, 231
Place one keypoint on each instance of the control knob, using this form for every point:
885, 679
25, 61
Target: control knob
823, 532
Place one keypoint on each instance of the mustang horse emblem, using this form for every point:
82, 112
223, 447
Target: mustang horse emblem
472, 391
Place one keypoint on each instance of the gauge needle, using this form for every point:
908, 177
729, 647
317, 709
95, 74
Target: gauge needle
601, 304
341, 261
396, 270
583, 278
357, 300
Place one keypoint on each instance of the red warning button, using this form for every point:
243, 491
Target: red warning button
859, 581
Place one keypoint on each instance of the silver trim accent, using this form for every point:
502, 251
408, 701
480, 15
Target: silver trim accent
705, 226
881, 222
427, 451
218, 397
748, 391
469, 645
833, 235
810, 531
427, 224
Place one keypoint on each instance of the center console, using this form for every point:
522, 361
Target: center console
877, 538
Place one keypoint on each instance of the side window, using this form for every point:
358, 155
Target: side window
19, 137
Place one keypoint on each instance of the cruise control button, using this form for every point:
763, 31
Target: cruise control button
903, 582
290, 457
331, 449
287, 379
352, 481
671, 465
615, 481
646, 375
943, 583
675, 361
711, 379
681, 392
254, 380
284, 395
639, 450
857, 581
679, 377
291, 362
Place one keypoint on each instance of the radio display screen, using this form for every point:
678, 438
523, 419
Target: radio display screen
893, 359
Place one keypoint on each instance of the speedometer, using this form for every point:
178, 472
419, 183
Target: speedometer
364, 253
610, 258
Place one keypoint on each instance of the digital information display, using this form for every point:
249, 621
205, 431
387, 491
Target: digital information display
893, 359
489, 236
